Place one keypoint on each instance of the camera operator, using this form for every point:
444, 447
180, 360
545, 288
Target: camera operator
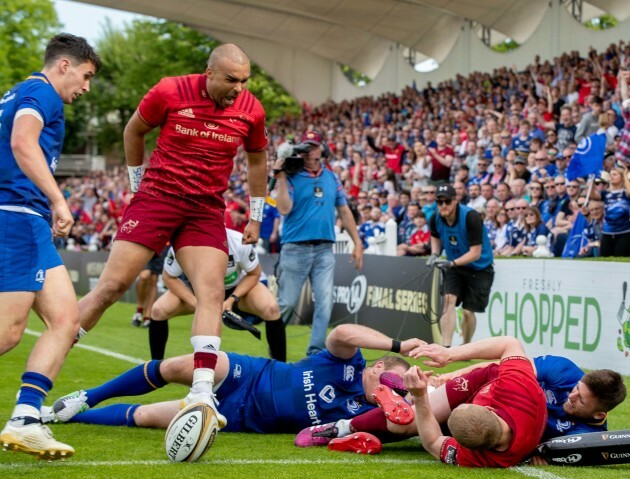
308, 194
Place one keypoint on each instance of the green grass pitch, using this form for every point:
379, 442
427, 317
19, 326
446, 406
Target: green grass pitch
119, 452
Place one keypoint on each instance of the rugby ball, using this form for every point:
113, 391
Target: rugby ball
191, 433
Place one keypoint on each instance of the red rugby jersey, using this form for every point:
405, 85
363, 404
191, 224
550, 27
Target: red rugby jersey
198, 140
515, 396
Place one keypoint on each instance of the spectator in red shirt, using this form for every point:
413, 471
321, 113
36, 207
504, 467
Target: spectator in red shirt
420, 242
441, 158
393, 151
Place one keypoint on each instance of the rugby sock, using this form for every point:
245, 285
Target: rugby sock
114, 415
140, 380
33, 391
206, 349
374, 422
158, 337
343, 427
277, 339
139, 310
371, 421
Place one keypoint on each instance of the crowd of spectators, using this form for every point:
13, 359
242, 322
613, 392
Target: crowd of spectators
504, 139
97, 202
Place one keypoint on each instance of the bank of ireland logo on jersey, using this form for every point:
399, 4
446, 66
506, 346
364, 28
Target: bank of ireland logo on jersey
40, 276
210, 126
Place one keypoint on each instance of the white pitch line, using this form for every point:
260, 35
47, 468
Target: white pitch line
219, 462
94, 349
532, 471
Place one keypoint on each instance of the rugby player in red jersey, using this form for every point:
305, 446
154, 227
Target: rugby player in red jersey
494, 424
203, 120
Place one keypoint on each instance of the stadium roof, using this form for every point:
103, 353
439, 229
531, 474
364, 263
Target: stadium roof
359, 33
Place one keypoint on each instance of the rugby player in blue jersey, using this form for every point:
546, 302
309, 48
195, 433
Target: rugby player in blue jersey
32, 275
256, 394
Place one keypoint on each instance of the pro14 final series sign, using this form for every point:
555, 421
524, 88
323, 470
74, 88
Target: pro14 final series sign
392, 295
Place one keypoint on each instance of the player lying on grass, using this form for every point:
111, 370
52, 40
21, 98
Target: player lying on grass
576, 402
257, 394
243, 293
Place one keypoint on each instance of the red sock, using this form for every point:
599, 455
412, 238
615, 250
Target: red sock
371, 421
375, 423
206, 360
139, 310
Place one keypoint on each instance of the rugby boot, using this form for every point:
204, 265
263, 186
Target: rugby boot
68, 406
34, 439
359, 442
396, 409
207, 398
316, 435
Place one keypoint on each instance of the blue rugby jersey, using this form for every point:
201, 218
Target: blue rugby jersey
617, 216
36, 93
285, 397
557, 377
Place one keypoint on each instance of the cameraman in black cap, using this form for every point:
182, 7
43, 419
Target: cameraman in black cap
460, 231
308, 198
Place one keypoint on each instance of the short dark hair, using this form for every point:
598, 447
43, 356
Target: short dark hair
77, 48
607, 386
597, 100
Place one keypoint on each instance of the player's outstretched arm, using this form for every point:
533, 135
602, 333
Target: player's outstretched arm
344, 340
491, 348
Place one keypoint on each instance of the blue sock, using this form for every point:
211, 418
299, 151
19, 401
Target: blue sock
114, 415
140, 380
34, 389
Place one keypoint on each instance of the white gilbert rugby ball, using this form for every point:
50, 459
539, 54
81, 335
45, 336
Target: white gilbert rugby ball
191, 433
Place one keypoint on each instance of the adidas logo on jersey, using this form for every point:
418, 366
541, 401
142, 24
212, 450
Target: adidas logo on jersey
187, 112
